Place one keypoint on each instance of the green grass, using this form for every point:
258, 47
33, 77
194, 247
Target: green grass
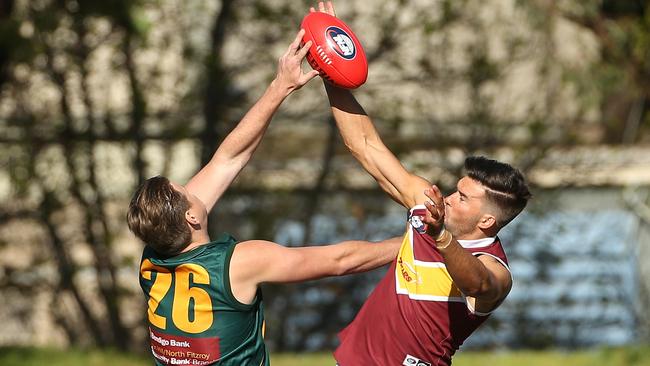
601, 357
73, 357
311, 359
631, 356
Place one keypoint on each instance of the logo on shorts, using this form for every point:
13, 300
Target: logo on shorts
414, 361
341, 42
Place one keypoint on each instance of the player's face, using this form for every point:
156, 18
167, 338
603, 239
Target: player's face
196, 205
463, 208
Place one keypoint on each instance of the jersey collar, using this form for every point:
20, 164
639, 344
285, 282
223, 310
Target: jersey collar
477, 243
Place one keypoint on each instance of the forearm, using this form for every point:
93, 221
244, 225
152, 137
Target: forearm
238, 147
236, 150
240, 144
362, 139
355, 126
469, 274
360, 256
259, 261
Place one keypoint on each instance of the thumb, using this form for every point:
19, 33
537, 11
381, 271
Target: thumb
308, 76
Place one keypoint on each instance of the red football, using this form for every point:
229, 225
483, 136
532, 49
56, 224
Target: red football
335, 51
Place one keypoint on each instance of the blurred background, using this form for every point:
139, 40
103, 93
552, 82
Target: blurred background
96, 96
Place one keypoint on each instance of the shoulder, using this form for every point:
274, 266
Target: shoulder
495, 251
249, 257
261, 253
500, 272
254, 246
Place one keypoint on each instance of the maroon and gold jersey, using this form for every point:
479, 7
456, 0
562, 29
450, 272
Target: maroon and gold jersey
416, 315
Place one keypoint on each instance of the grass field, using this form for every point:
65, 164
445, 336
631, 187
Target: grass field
638, 356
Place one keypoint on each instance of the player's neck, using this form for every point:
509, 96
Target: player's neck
199, 238
473, 235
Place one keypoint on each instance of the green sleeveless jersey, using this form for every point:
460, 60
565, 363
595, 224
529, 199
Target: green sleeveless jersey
193, 317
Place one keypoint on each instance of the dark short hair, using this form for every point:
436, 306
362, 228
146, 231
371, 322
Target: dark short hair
505, 186
157, 216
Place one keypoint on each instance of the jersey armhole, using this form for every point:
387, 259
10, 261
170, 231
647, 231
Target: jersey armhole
226, 283
469, 306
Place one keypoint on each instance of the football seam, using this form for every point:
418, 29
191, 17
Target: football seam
323, 55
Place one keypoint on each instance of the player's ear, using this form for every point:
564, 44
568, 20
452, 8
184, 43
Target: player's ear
191, 218
487, 221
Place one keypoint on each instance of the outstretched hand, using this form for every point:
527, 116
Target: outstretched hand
324, 7
290, 75
435, 217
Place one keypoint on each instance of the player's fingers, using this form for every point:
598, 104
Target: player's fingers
437, 191
305, 78
434, 214
321, 7
303, 51
434, 193
310, 75
330, 9
296, 42
430, 208
312, 10
430, 193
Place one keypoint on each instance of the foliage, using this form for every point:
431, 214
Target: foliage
97, 96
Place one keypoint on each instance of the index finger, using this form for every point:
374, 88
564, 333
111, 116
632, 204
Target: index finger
296, 42
433, 193
303, 51
330, 8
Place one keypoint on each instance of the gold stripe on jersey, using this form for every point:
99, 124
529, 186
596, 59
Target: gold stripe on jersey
423, 280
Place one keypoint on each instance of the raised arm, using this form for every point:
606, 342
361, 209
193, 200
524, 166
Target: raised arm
240, 144
257, 261
365, 144
363, 141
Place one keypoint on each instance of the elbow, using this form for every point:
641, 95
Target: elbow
479, 288
358, 143
472, 292
230, 161
355, 257
346, 263
341, 268
355, 147
361, 149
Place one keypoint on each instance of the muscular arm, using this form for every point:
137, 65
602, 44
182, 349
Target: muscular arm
257, 261
238, 147
365, 144
483, 278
